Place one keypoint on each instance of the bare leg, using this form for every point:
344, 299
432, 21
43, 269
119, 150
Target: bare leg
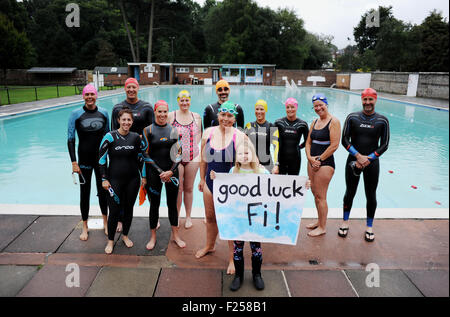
109, 247
211, 225
151, 244
311, 175
231, 269
321, 179
119, 227
176, 237
84, 232
190, 171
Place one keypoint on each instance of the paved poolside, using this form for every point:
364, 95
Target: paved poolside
37, 254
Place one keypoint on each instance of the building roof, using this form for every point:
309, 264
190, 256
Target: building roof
206, 65
52, 70
111, 70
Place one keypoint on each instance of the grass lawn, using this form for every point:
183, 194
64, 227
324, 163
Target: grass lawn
18, 94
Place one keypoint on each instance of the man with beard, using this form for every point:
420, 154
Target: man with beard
365, 136
210, 118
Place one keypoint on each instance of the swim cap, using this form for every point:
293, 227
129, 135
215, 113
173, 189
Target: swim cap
320, 97
131, 80
291, 101
183, 93
369, 92
88, 89
261, 102
161, 103
222, 83
228, 106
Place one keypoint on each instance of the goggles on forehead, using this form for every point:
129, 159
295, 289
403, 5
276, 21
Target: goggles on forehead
322, 98
232, 111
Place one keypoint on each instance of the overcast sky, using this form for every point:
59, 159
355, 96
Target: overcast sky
339, 17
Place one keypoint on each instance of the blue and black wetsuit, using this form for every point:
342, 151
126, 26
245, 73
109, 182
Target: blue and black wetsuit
143, 115
367, 135
163, 147
210, 116
123, 174
91, 126
290, 134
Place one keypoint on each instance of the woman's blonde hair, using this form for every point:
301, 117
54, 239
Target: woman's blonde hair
254, 163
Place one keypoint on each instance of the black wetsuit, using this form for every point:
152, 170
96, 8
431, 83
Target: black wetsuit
210, 116
123, 175
163, 147
91, 126
262, 137
290, 134
367, 135
143, 115
320, 141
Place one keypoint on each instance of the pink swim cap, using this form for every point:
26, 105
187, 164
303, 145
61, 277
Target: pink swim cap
131, 80
291, 101
88, 89
161, 103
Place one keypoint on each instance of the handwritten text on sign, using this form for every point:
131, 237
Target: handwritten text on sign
259, 207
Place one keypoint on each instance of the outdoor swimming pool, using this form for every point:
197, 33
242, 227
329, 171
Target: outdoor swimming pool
35, 166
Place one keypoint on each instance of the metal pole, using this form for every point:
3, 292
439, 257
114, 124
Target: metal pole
57, 91
35, 92
7, 92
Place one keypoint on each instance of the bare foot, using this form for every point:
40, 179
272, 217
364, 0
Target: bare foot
188, 223
151, 244
127, 242
109, 247
158, 225
204, 220
231, 270
317, 232
313, 225
119, 227
106, 231
84, 235
180, 242
202, 252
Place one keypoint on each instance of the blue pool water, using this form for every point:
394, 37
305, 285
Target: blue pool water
35, 166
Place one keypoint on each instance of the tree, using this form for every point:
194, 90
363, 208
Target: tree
435, 37
16, 50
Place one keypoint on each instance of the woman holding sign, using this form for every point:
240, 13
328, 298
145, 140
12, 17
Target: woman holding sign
322, 142
218, 153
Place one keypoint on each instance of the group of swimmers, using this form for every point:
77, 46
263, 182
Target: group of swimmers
149, 146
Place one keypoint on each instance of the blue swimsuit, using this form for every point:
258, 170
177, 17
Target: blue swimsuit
219, 160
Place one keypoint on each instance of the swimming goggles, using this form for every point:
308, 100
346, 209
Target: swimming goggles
321, 98
356, 171
220, 89
80, 178
233, 112
114, 195
174, 180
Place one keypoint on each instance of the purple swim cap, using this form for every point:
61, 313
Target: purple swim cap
291, 101
89, 88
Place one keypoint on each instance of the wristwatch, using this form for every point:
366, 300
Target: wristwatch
319, 159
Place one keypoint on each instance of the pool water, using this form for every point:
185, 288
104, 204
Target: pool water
35, 166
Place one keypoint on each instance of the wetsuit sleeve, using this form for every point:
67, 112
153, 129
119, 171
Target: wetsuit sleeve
240, 117
145, 144
103, 153
207, 117
305, 131
176, 151
346, 137
105, 113
71, 136
384, 143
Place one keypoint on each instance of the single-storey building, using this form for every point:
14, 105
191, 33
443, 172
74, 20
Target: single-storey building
110, 76
189, 73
